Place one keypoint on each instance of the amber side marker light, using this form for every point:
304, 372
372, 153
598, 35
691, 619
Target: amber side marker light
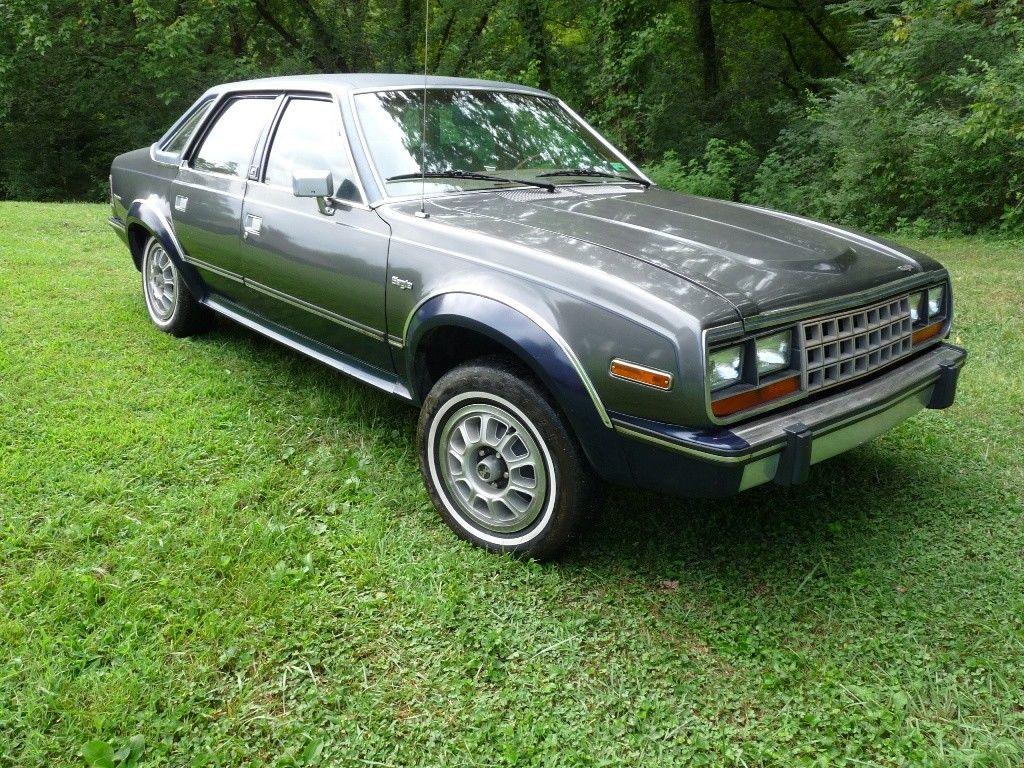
649, 377
928, 332
754, 397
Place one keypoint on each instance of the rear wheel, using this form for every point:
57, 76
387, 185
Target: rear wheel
170, 304
499, 461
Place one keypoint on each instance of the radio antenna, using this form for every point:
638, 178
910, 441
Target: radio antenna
423, 113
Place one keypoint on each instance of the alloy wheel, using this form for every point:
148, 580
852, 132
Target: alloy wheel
161, 283
493, 467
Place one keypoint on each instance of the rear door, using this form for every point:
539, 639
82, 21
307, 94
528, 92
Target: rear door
208, 192
320, 274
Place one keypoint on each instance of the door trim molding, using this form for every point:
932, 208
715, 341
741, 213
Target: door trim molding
216, 270
327, 314
273, 293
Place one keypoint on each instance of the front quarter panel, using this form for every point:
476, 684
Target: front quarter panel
468, 270
533, 341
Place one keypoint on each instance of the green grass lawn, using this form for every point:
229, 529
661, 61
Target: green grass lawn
223, 549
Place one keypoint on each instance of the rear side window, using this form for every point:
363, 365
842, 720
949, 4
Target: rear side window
229, 144
309, 137
178, 140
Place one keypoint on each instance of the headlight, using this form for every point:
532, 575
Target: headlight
773, 352
917, 305
936, 301
725, 366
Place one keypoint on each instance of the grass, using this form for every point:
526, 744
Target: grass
216, 552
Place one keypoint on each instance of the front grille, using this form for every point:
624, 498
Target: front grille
846, 345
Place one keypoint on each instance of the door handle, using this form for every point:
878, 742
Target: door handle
253, 225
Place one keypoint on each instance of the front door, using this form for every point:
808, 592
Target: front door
207, 194
319, 274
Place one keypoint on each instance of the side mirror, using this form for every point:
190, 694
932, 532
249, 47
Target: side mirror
312, 184
318, 184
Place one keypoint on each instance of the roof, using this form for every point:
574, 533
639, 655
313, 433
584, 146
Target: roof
356, 81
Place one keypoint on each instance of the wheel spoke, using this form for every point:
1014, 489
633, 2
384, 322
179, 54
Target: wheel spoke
485, 429
517, 484
523, 461
495, 508
505, 442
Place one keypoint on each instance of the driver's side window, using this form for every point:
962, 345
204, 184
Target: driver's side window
309, 137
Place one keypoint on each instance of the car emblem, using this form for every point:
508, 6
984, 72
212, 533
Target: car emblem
906, 268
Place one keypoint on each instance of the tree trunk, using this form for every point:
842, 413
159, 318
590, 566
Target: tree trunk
532, 19
708, 48
408, 37
469, 46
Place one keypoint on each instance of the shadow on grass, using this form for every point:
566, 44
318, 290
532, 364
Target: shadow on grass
855, 511
293, 371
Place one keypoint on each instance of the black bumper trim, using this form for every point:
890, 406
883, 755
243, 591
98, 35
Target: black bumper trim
795, 461
945, 386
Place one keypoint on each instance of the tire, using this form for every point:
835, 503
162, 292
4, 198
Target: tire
170, 304
500, 463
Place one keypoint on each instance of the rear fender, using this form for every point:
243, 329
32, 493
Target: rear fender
147, 214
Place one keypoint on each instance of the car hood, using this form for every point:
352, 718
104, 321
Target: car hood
759, 260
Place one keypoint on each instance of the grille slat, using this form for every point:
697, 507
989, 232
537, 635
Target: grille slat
843, 346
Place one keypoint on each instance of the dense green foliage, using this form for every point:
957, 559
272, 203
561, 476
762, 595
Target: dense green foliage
882, 113
215, 552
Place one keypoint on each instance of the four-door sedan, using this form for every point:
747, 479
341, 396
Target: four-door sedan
475, 248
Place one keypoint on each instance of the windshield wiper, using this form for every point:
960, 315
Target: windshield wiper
469, 175
594, 173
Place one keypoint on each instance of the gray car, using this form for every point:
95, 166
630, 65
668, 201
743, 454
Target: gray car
476, 249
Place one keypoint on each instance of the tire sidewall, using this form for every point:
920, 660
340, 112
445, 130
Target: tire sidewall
168, 323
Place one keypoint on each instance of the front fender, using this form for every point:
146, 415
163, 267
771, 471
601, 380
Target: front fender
147, 214
544, 351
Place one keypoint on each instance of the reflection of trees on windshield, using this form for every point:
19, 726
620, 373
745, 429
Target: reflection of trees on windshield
471, 130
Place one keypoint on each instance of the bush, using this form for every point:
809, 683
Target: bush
724, 170
926, 130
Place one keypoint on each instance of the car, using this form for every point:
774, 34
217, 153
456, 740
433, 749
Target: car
478, 250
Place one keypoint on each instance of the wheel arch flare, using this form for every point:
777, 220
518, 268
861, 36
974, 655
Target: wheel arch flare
518, 331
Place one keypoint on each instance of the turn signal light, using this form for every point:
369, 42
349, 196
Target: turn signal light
928, 332
755, 397
649, 377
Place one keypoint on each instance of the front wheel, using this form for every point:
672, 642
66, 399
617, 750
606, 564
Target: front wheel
499, 462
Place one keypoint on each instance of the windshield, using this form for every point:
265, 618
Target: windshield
513, 135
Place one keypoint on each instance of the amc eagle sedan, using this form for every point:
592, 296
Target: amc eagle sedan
478, 250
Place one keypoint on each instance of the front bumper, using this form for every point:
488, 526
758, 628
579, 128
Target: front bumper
781, 447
